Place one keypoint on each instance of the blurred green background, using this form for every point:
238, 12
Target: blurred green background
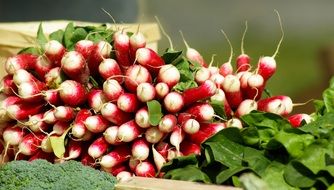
302, 72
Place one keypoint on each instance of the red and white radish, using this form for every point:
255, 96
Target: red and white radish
231, 87
226, 68
42, 66
75, 67
72, 93
128, 102
161, 90
145, 92
140, 149
176, 138
54, 50
20, 61
201, 112
100, 51
78, 126
193, 55
245, 107
128, 131
98, 147
202, 92
30, 144
117, 156
153, 135
202, 75
135, 75
243, 60
149, 59
54, 78
206, 131
84, 47
22, 111
137, 40
60, 127
167, 123
108, 68
190, 126
169, 74
113, 114
64, 113
297, 120
95, 99
158, 159
187, 148
110, 135
31, 91
96, 123
122, 49
8, 86
145, 169
123, 176
142, 118
234, 122
112, 89
174, 102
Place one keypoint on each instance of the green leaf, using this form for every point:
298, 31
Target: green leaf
256, 160
170, 56
182, 86
57, 35
218, 108
224, 175
30, 50
58, 143
184, 68
298, 176
180, 162
322, 127
188, 173
250, 136
78, 34
314, 157
68, 35
154, 112
41, 38
328, 96
320, 107
250, 181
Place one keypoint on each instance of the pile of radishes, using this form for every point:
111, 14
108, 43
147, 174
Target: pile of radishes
113, 105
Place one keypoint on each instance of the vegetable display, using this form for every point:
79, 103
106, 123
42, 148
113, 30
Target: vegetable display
100, 96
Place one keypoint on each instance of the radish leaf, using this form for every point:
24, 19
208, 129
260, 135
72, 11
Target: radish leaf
219, 109
154, 112
182, 86
57, 35
41, 38
58, 147
31, 50
68, 35
171, 56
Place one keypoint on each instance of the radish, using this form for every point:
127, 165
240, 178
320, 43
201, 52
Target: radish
142, 118
75, 67
243, 60
108, 68
201, 112
206, 131
159, 160
145, 169
272, 105
36, 123
74, 150
218, 79
234, 122
161, 90
96, 98
220, 98
96, 123
202, 75
88, 160
49, 117
31, 91
167, 123
123, 176
84, 47
100, 51
12, 136
117, 156
128, 131
113, 114
192, 54
52, 97
46, 145
127, 102
153, 135
245, 107
188, 148
140, 149
60, 127
78, 126
149, 59
116, 169
54, 50
255, 86
231, 87
122, 49
202, 92
173, 154
98, 148
135, 75
110, 135
54, 78
21, 76
20, 61
8, 86
182, 117
42, 66
72, 93
137, 40
42, 155
64, 113
10, 100
169, 74
22, 111
297, 120
176, 138
112, 89
133, 163
267, 65
226, 68
145, 92
190, 126
30, 144
174, 102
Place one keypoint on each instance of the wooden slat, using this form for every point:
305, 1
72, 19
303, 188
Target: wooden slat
142, 183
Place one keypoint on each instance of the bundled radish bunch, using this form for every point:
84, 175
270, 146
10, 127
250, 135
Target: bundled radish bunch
104, 98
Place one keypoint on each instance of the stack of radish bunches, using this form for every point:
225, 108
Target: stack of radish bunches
115, 104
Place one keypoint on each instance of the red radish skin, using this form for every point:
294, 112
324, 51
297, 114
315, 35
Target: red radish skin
72, 93
42, 155
10, 100
21, 76
110, 135
84, 47
161, 90
78, 126
202, 112
74, 150
8, 86
174, 102
42, 66
52, 97
169, 74
137, 40
112, 89
128, 102
96, 123
75, 67
117, 156
142, 118
22, 111
193, 55
98, 148
202, 92
122, 49
206, 131
20, 61
108, 68
140, 149
245, 107
167, 123
297, 120
87, 160
115, 170
12, 136
272, 105
188, 148
231, 87
149, 59
96, 98
182, 117
234, 122
60, 127
135, 75
30, 144
54, 78
218, 79
145, 92
100, 51
31, 91
64, 113
191, 126
54, 51
153, 135
129, 131
255, 87
113, 114
145, 169
159, 160
202, 75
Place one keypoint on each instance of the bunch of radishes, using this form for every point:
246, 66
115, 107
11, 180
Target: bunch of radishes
114, 105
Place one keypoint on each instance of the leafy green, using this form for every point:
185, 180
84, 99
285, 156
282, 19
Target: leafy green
218, 108
58, 143
182, 86
31, 50
183, 174
57, 35
68, 33
154, 112
41, 38
170, 56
